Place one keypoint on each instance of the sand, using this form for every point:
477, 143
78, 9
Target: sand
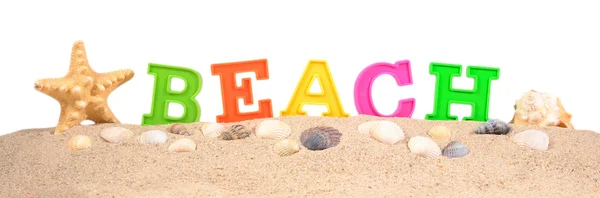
35, 163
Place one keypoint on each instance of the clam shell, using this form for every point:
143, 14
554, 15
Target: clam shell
79, 142
534, 139
455, 149
365, 128
320, 138
273, 129
153, 137
386, 132
212, 129
116, 134
493, 126
235, 132
439, 133
286, 147
182, 145
179, 129
424, 147
541, 109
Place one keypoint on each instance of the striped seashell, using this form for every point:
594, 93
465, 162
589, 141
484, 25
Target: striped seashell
424, 147
439, 133
235, 132
273, 129
320, 138
386, 132
493, 126
179, 129
116, 134
286, 147
212, 129
534, 139
455, 149
182, 145
153, 137
79, 142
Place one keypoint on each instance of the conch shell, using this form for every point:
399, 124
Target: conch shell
541, 109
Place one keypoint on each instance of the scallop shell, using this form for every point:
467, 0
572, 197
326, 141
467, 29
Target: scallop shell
179, 129
182, 145
424, 147
153, 137
212, 129
286, 147
320, 138
365, 128
493, 126
455, 149
235, 132
273, 129
541, 109
79, 142
386, 132
116, 134
439, 133
534, 139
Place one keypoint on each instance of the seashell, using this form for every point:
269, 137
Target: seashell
455, 149
386, 132
424, 147
179, 129
273, 129
286, 147
235, 132
541, 109
182, 145
212, 129
116, 134
320, 138
493, 126
153, 137
534, 139
365, 128
79, 142
439, 133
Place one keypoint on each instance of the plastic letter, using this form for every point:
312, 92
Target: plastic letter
163, 95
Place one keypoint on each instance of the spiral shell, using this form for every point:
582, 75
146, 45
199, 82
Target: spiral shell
386, 132
455, 149
493, 126
182, 145
212, 129
153, 137
179, 129
424, 147
541, 109
79, 142
273, 129
534, 139
116, 134
235, 132
439, 133
320, 138
286, 147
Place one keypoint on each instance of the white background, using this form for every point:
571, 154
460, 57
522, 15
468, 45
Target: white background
541, 45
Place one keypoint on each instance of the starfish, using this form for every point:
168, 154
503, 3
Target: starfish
83, 93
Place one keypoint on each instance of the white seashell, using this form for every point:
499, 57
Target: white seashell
182, 145
116, 134
534, 139
79, 142
365, 128
273, 129
212, 129
386, 132
286, 147
424, 147
153, 137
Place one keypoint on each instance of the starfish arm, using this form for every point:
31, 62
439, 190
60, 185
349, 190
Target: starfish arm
99, 112
65, 89
71, 114
79, 61
105, 83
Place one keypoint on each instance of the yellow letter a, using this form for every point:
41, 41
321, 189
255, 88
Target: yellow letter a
328, 96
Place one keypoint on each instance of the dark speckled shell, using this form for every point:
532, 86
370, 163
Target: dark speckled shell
179, 129
235, 132
320, 138
493, 126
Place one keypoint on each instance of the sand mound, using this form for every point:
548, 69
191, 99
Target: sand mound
35, 163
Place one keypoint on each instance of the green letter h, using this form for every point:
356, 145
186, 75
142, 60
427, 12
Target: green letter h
478, 98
